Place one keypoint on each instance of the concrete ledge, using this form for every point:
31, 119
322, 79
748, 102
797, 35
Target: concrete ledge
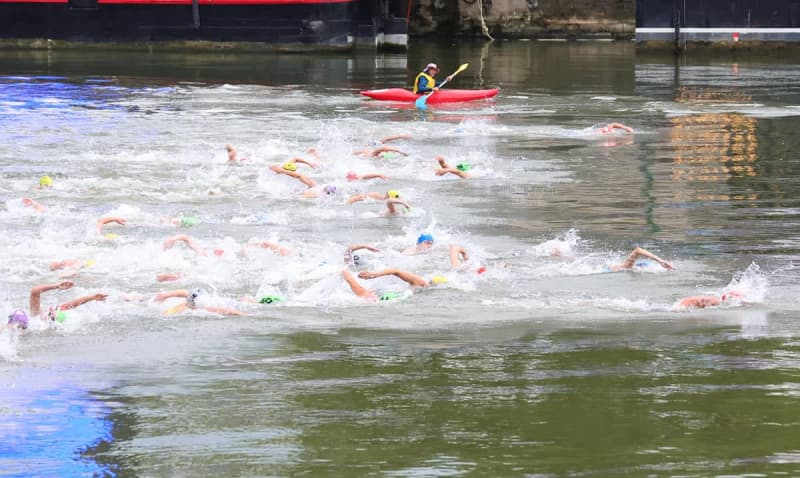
170, 46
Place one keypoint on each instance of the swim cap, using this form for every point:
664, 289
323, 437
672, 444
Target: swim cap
188, 221
45, 181
290, 166
351, 176
431, 65
393, 194
269, 299
438, 280
389, 296
387, 154
360, 261
192, 297
330, 190
424, 238
481, 270
19, 317
463, 166
90, 263
111, 236
60, 316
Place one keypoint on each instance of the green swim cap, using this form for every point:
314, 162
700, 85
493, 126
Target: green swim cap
61, 316
188, 221
389, 296
269, 299
463, 166
387, 154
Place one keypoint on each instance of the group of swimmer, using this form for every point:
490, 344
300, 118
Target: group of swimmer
460, 260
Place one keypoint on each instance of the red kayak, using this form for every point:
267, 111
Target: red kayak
441, 96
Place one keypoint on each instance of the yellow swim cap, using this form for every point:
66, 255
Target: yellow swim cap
45, 181
438, 280
90, 263
290, 166
393, 194
111, 236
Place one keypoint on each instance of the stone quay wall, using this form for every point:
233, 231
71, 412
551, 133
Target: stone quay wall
534, 19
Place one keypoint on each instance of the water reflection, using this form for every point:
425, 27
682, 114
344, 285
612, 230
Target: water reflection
49, 425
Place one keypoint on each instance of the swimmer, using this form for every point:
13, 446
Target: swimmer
191, 303
329, 190
610, 127
274, 247
36, 301
391, 207
72, 266
106, 220
459, 170
28, 202
190, 243
233, 155
630, 261
703, 301
353, 176
18, 319
380, 151
458, 257
290, 169
391, 194
357, 260
424, 243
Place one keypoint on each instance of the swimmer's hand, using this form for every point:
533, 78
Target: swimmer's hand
666, 265
66, 285
100, 297
368, 275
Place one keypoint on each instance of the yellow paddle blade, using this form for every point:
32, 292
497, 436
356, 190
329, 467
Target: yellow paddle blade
461, 68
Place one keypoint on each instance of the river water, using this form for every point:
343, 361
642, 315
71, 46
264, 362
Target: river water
543, 365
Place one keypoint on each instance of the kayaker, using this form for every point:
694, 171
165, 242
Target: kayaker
426, 81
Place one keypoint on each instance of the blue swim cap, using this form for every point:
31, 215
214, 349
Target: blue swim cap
424, 238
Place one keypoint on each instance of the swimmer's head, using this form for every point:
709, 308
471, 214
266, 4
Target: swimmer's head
191, 299
438, 280
389, 296
463, 166
45, 181
18, 318
360, 260
269, 299
60, 316
392, 194
188, 221
329, 190
352, 176
425, 238
290, 166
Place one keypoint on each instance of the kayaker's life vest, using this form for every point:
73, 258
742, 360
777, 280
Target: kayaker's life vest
428, 78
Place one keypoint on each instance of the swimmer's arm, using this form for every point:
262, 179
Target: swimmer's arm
409, 277
357, 288
36, 294
82, 300
58, 265
313, 152
458, 255
460, 174
307, 181
358, 247
161, 297
274, 247
306, 162
105, 220
620, 126
374, 176
169, 276
376, 196
191, 243
387, 139
391, 203
226, 311
356, 198
28, 202
386, 149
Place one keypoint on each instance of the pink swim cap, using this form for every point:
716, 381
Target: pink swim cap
351, 176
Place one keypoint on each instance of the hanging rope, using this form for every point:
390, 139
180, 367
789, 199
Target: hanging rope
484, 28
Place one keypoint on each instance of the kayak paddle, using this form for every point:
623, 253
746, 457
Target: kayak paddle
424, 98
